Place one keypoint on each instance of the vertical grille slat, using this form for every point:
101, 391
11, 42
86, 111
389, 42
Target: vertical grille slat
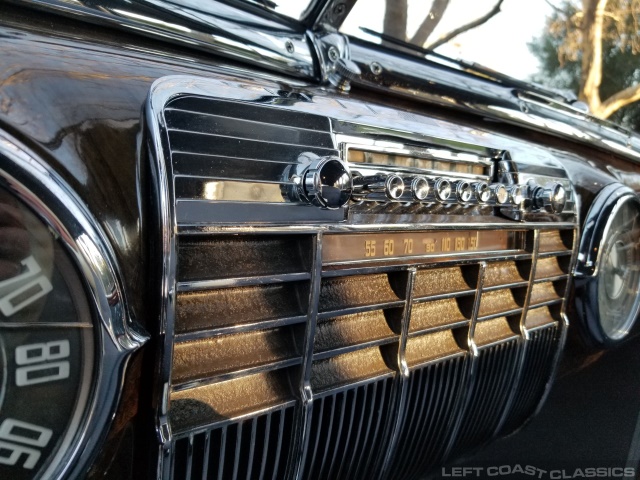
189, 458
223, 449
352, 452
250, 449
236, 459
205, 456
435, 450
254, 424
265, 447
496, 371
318, 426
278, 454
338, 433
412, 395
368, 446
537, 362
421, 393
424, 432
344, 449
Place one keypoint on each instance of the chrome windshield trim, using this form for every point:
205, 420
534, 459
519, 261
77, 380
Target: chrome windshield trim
401, 74
215, 27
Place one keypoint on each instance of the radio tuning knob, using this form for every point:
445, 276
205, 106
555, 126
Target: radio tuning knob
553, 199
464, 191
392, 186
322, 181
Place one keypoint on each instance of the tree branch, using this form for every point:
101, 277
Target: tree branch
558, 9
473, 24
618, 100
430, 23
395, 19
591, 70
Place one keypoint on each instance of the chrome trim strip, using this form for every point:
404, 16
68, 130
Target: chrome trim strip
523, 340
352, 348
302, 424
238, 328
118, 335
444, 296
404, 74
548, 303
555, 278
559, 253
470, 375
401, 388
437, 257
597, 225
366, 308
167, 238
441, 263
243, 372
496, 223
504, 313
439, 328
564, 326
353, 385
507, 285
216, 28
197, 285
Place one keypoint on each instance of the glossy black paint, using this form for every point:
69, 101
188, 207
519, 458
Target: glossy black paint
74, 93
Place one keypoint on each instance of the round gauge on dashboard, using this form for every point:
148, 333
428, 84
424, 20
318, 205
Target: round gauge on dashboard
46, 345
619, 278
65, 334
608, 293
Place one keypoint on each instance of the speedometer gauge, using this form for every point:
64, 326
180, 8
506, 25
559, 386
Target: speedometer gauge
619, 281
608, 293
65, 334
47, 349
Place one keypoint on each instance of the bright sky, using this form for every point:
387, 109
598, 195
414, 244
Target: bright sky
500, 44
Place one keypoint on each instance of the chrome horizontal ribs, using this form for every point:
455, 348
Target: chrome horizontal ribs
375, 340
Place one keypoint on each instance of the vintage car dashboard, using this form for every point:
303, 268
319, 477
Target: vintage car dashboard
214, 272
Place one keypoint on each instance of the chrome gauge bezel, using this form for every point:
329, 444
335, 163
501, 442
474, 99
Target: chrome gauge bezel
116, 336
590, 270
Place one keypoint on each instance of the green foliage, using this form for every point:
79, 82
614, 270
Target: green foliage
559, 53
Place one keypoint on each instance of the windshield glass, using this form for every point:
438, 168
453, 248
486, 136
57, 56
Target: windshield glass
537, 41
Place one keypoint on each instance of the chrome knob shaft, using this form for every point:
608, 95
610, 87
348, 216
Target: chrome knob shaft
552, 199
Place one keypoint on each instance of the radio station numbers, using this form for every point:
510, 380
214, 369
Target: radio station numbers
385, 247
353, 247
429, 245
370, 248
473, 242
408, 246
